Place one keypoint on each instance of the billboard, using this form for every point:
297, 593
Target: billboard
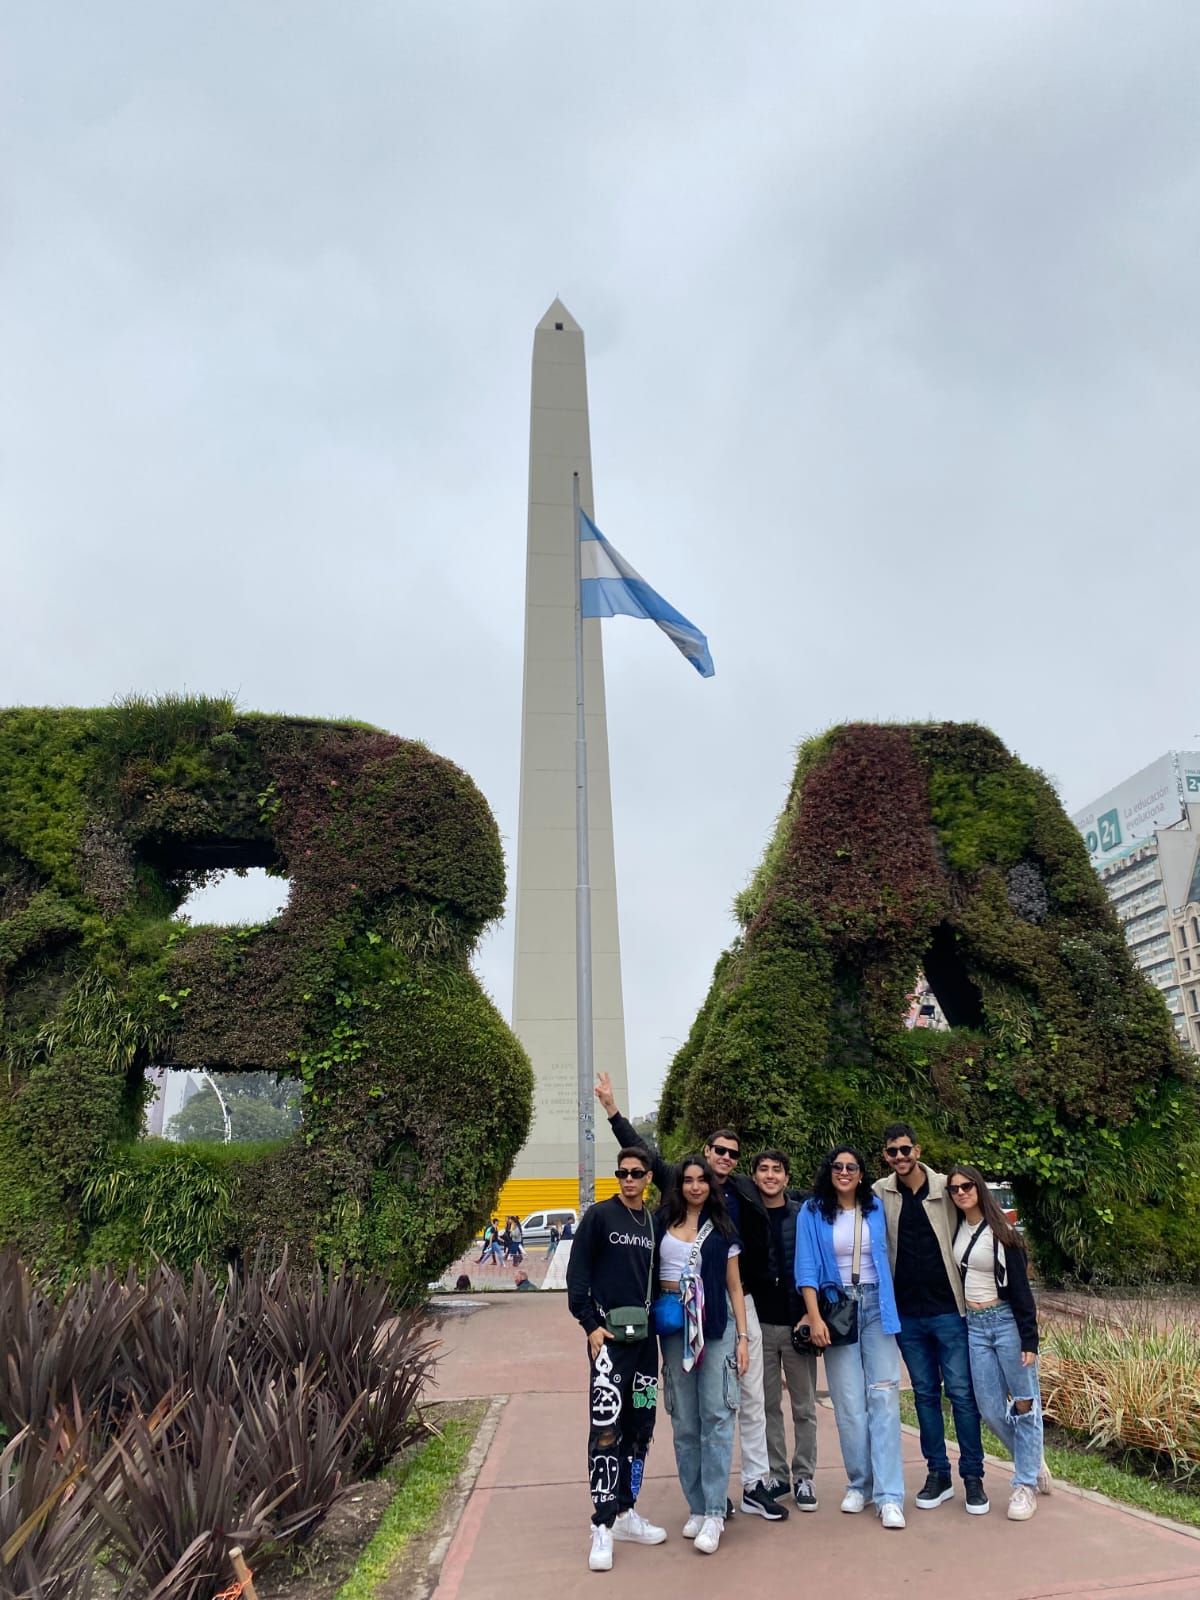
1189, 775
1129, 814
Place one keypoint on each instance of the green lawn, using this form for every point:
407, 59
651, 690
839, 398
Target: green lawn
422, 1482
1091, 1470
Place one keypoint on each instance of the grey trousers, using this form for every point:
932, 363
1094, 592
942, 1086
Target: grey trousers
781, 1361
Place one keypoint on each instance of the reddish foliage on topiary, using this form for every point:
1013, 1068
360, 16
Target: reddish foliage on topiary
931, 848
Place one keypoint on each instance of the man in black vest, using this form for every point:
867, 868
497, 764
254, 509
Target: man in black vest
750, 1219
780, 1310
610, 1266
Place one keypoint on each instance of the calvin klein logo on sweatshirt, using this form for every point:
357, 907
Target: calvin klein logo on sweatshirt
629, 1238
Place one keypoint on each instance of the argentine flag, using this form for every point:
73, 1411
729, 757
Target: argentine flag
611, 588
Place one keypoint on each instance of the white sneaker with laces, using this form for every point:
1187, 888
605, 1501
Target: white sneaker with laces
600, 1559
1045, 1483
692, 1527
853, 1501
891, 1515
634, 1529
1023, 1503
709, 1536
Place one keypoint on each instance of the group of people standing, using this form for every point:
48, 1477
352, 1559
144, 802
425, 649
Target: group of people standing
742, 1282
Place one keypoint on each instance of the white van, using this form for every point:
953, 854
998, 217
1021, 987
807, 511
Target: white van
536, 1226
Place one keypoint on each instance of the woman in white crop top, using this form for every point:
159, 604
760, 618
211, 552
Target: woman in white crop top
1002, 1333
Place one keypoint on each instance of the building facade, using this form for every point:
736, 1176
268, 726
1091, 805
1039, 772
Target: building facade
1144, 841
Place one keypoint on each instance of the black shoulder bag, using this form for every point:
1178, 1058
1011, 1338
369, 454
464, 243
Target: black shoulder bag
839, 1309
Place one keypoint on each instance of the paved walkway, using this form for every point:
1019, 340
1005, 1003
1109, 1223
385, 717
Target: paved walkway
524, 1532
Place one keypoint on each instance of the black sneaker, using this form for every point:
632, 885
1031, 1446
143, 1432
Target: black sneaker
758, 1503
978, 1504
728, 1508
937, 1488
806, 1497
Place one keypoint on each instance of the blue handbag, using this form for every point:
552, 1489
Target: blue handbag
667, 1314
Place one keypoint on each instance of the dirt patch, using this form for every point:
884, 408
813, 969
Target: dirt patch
317, 1570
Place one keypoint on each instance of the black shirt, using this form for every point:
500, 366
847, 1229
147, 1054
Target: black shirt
610, 1261
771, 1299
922, 1286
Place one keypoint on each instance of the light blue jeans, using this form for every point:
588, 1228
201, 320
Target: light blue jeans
702, 1405
864, 1385
1000, 1380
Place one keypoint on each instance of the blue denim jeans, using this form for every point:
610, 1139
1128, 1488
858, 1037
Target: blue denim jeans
864, 1385
702, 1405
997, 1374
935, 1353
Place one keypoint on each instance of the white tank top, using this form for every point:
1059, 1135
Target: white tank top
979, 1285
843, 1249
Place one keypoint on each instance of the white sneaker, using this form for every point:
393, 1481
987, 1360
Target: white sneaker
891, 1515
600, 1559
853, 1501
1023, 1503
1045, 1483
692, 1527
709, 1536
636, 1530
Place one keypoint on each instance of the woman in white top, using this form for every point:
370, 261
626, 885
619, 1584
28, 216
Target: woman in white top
1002, 1333
863, 1376
697, 1249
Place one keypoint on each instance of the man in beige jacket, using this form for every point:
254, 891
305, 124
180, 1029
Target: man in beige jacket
921, 1219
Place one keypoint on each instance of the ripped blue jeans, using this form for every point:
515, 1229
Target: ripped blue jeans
999, 1381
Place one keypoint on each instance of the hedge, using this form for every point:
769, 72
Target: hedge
930, 848
416, 1096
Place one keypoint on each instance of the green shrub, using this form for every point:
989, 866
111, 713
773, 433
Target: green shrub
930, 848
415, 1096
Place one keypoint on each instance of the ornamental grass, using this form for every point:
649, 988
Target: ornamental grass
1134, 1381
154, 1421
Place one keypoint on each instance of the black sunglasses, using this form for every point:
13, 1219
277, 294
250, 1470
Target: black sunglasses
632, 1172
898, 1150
960, 1188
724, 1150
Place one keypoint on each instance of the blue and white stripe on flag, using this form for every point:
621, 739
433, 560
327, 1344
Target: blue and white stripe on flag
612, 588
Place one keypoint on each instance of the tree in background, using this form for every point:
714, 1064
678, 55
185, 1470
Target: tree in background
260, 1107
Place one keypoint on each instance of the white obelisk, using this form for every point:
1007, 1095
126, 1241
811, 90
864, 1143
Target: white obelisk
544, 979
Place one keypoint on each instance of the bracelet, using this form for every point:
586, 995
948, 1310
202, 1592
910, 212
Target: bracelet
743, 1335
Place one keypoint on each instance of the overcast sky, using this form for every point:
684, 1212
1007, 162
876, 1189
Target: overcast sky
892, 350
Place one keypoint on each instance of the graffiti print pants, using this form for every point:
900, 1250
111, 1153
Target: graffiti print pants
622, 1406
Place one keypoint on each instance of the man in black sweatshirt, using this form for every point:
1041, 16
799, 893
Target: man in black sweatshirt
612, 1258
750, 1219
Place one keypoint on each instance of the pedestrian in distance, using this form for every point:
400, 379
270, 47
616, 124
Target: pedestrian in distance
491, 1236
722, 1151
554, 1237
609, 1289
522, 1282
516, 1240
1002, 1331
781, 1314
841, 1254
703, 1361
921, 1220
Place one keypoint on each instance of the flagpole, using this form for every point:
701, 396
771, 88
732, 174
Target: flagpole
583, 900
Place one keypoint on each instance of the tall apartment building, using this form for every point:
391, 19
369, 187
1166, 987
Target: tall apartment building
1144, 841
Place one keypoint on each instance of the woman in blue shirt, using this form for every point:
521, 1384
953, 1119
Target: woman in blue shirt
864, 1377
